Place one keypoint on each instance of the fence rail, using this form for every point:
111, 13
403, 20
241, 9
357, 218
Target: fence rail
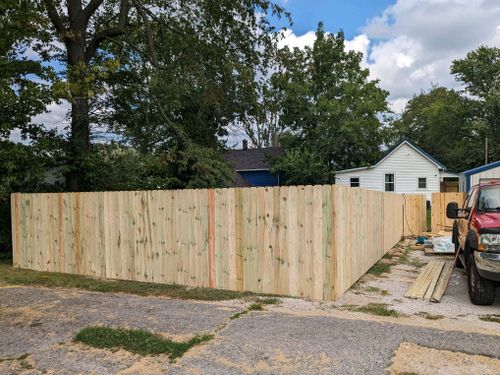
309, 241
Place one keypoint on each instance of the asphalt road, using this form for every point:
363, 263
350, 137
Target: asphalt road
40, 323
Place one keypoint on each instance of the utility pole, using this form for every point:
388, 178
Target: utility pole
486, 151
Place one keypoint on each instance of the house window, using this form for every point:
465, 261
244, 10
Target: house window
389, 182
354, 181
422, 183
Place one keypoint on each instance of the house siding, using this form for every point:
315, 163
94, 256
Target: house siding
407, 165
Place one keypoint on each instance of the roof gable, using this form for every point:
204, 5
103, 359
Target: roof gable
392, 150
416, 148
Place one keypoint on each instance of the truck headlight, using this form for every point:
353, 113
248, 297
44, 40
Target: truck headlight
489, 239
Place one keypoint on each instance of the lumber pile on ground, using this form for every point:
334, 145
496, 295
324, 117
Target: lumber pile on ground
432, 282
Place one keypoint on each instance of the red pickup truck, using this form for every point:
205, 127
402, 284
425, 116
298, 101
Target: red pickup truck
476, 235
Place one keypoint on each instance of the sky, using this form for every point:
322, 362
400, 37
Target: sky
408, 45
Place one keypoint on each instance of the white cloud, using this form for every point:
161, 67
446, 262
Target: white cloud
56, 116
415, 42
412, 44
301, 41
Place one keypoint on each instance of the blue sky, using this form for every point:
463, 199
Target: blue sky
348, 15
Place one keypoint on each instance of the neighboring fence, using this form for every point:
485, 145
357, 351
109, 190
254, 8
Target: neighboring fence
310, 241
439, 201
415, 219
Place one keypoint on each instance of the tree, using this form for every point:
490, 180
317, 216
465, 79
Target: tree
329, 108
97, 34
441, 121
25, 84
479, 71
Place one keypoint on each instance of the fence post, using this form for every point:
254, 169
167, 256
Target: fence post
211, 238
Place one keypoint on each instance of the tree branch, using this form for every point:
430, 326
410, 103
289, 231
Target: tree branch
110, 32
90, 9
142, 12
55, 18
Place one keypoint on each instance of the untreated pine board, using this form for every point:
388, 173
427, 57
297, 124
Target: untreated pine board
434, 280
443, 282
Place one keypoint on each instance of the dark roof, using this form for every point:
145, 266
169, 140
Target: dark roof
252, 158
482, 168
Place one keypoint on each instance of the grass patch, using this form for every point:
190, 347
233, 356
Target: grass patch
388, 256
430, 316
268, 301
406, 259
136, 341
255, 307
9, 275
379, 269
490, 318
380, 309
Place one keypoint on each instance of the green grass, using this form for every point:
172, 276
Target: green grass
269, 301
380, 309
490, 318
136, 341
11, 276
406, 259
430, 316
379, 269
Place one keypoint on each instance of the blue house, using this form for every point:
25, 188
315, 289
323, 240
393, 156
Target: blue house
252, 166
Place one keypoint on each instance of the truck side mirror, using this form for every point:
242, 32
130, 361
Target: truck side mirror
452, 210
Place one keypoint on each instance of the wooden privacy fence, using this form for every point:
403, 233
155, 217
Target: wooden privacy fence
415, 214
439, 201
310, 241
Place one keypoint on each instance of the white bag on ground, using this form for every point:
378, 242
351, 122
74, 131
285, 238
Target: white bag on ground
443, 244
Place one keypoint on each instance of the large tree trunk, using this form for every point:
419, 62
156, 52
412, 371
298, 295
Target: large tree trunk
79, 145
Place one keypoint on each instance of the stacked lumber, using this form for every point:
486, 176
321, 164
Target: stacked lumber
432, 282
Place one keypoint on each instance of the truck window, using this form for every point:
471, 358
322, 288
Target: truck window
489, 199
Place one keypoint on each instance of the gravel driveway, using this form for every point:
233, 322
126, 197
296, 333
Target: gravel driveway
37, 326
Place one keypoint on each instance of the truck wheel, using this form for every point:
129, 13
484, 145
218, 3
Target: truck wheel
481, 291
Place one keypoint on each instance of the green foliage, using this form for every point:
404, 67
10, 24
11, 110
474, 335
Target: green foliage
137, 341
441, 122
329, 107
480, 73
115, 167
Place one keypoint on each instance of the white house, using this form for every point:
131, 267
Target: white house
405, 168
471, 177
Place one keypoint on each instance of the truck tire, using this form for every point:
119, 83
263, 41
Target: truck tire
481, 291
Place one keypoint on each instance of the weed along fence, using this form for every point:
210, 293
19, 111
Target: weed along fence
310, 241
439, 201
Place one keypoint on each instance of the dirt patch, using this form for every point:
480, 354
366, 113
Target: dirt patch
414, 359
